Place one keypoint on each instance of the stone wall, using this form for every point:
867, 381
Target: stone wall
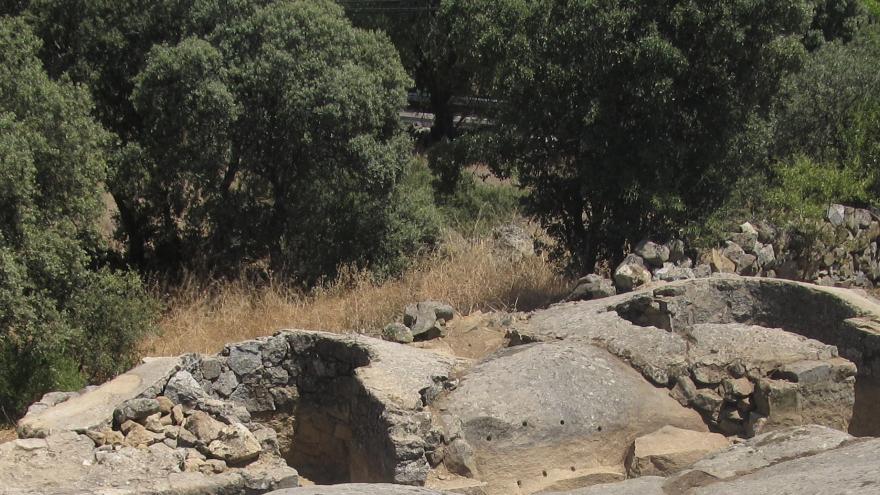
337, 408
329, 426
843, 252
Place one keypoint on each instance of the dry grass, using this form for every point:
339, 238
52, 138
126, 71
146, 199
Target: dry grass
7, 433
468, 275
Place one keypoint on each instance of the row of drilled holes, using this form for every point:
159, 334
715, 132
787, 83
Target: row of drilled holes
526, 423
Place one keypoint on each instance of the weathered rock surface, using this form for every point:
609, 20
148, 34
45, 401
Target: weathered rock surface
427, 319
849, 469
319, 385
397, 332
669, 450
536, 415
762, 451
799, 460
95, 409
705, 338
592, 287
631, 274
135, 410
647, 485
66, 463
587, 394
795, 461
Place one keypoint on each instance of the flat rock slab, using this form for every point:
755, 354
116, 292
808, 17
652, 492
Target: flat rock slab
671, 449
359, 489
647, 485
850, 469
399, 373
539, 415
805, 460
766, 450
94, 409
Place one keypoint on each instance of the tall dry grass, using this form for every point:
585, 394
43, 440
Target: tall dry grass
470, 275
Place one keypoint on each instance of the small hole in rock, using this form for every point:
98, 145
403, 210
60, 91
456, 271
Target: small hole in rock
599, 428
562, 421
518, 482
572, 468
489, 438
544, 473
525, 423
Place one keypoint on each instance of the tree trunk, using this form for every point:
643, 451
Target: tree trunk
136, 237
444, 116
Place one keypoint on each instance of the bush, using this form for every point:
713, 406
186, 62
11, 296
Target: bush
830, 111
475, 207
794, 197
62, 322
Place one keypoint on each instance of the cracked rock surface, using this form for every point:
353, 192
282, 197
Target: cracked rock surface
574, 400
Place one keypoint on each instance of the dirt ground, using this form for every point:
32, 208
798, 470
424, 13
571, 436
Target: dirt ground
7, 433
474, 336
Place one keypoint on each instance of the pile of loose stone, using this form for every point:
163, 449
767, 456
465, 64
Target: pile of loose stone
421, 321
211, 445
846, 254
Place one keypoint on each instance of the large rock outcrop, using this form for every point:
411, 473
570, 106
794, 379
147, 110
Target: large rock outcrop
578, 396
809, 460
748, 353
542, 415
341, 408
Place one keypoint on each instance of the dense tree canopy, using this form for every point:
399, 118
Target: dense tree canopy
435, 43
830, 111
631, 118
243, 129
61, 321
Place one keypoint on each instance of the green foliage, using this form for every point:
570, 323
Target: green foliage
61, 321
245, 130
803, 189
12, 7
794, 197
475, 207
830, 111
836, 20
415, 221
438, 49
627, 119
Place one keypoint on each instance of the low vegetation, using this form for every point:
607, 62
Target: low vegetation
470, 275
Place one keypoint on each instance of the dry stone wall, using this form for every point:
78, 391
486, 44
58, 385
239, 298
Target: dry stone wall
844, 253
337, 408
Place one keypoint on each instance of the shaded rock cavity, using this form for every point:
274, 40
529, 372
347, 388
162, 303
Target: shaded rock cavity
327, 424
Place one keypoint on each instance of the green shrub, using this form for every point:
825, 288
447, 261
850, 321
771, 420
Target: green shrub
794, 197
62, 322
415, 223
630, 119
475, 207
830, 111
